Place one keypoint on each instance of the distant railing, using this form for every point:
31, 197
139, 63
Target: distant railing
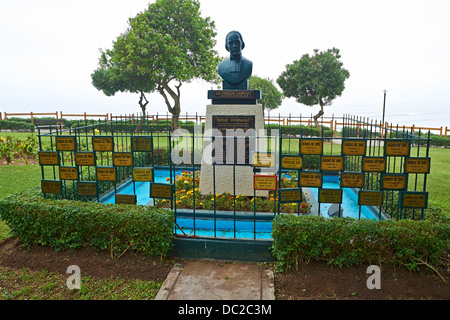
282, 120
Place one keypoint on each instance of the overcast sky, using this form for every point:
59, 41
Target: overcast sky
49, 49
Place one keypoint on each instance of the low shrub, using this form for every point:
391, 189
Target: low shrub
16, 126
12, 147
348, 241
65, 224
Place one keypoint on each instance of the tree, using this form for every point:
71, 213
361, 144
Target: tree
169, 44
316, 79
271, 96
114, 75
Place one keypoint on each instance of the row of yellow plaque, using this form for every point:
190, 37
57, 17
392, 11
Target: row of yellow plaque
104, 143
336, 163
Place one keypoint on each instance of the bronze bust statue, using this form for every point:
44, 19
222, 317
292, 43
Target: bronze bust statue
235, 70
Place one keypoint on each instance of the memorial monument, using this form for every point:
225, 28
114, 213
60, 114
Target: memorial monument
233, 122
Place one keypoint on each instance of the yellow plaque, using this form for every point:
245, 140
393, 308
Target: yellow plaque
330, 195
87, 189
68, 173
106, 174
374, 164
290, 195
352, 180
123, 159
48, 158
265, 182
415, 200
332, 163
85, 159
102, 143
370, 198
65, 143
143, 144
393, 181
143, 174
291, 162
311, 146
396, 148
310, 179
417, 165
354, 147
126, 199
263, 159
161, 190
51, 186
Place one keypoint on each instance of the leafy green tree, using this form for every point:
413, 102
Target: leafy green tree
315, 80
114, 75
271, 96
167, 45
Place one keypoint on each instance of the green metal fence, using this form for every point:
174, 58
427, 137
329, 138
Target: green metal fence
383, 171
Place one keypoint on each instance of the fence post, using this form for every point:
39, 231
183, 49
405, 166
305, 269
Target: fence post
31, 113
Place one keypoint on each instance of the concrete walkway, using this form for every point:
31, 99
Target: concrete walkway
217, 280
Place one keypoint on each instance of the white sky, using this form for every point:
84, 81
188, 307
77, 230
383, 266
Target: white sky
49, 49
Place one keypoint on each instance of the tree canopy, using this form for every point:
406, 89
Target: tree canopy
271, 96
164, 46
315, 80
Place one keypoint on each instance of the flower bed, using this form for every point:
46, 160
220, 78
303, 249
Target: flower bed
187, 193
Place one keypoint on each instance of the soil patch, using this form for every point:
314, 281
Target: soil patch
94, 263
317, 280
312, 281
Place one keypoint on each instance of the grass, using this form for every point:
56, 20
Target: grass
25, 284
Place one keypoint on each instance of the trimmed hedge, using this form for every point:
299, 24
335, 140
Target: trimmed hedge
348, 241
66, 224
16, 126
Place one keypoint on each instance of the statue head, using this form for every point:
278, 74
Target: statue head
234, 43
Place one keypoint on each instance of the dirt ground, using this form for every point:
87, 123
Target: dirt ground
313, 281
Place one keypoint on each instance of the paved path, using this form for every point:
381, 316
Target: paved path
217, 280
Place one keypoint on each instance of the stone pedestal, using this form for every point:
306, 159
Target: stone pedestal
228, 177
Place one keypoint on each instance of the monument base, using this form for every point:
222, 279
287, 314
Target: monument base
221, 178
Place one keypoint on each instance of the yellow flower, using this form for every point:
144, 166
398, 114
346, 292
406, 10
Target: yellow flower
96, 131
3, 139
201, 203
252, 200
186, 182
217, 195
163, 200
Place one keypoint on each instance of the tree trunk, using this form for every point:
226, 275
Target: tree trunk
175, 110
143, 106
316, 118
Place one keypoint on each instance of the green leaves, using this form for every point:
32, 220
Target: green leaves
164, 46
315, 80
271, 97
348, 241
65, 224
